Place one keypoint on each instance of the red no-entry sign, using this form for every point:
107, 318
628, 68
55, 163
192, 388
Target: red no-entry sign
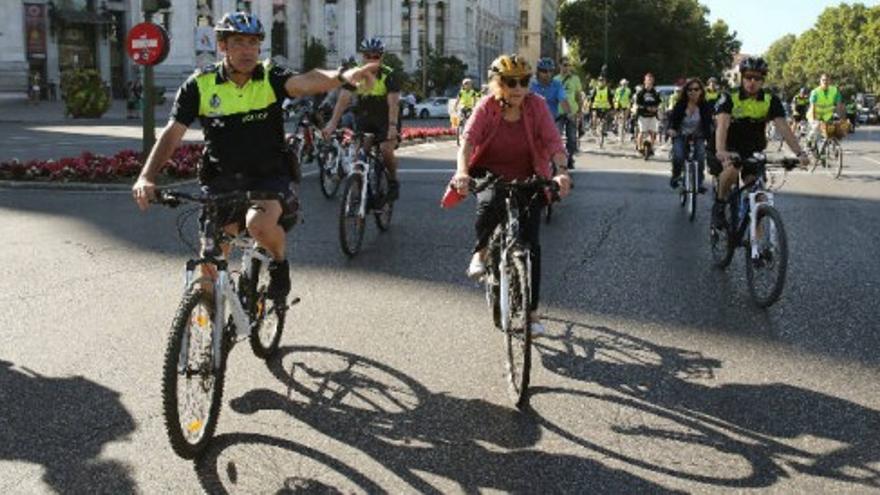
147, 44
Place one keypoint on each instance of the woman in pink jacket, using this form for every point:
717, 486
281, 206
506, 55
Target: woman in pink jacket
511, 135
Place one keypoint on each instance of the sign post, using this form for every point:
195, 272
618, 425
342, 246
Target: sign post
148, 44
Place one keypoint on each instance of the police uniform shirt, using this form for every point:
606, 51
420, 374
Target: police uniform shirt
747, 133
243, 126
373, 103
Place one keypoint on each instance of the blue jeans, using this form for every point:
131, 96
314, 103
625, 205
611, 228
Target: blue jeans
567, 126
679, 154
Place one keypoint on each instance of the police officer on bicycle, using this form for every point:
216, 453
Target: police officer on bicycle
238, 102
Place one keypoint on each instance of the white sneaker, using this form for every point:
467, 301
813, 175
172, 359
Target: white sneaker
477, 268
537, 329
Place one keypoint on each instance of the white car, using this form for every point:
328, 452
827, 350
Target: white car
433, 107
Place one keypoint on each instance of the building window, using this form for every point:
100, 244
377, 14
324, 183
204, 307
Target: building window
439, 44
361, 29
523, 19
279, 29
243, 6
405, 40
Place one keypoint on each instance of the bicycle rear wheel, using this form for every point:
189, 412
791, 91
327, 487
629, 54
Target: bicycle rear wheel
267, 317
192, 386
518, 335
351, 223
329, 167
766, 273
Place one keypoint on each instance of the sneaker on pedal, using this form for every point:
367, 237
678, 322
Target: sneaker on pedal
477, 268
393, 190
279, 280
675, 181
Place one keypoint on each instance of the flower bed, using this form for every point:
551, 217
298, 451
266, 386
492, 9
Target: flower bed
125, 165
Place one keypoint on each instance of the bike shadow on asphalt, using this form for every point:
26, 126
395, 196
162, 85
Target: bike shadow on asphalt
415, 433
666, 401
62, 425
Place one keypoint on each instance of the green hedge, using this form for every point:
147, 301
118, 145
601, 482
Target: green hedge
84, 93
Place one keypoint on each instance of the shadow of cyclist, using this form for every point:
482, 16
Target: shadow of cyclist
411, 431
762, 423
63, 424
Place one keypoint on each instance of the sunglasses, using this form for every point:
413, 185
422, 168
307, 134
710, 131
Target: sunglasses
372, 56
543, 71
753, 78
511, 82
694, 90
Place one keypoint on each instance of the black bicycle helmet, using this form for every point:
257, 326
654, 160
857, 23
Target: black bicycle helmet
372, 45
753, 64
239, 23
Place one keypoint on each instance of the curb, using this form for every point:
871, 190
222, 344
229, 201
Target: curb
76, 186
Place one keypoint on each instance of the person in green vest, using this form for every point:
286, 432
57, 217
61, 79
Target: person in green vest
467, 98
800, 104
569, 119
601, 99
741, 118
852, 110
623, 101
377, 110
712, 91
238, 102
826, 104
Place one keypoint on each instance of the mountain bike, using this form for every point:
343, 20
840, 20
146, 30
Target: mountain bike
508, 278
753, 222
828, 153
217, 309
364, 192
690, 184
334, 157
305, 141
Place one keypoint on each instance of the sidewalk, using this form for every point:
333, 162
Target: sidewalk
14, 107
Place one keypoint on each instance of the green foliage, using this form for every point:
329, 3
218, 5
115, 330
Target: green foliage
444, 72
844, 42
777, 58
315, 55
393, 61
84, 93
671, 38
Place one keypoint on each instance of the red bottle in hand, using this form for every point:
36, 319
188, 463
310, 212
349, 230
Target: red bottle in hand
451, 198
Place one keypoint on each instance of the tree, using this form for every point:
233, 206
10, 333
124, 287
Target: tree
777, 58
315, 55
444, 72
671, 38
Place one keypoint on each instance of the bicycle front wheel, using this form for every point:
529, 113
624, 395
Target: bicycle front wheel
518, 337
721, 242
383, 215
351, 223
267, 316
328, 165
766, 272
192, 383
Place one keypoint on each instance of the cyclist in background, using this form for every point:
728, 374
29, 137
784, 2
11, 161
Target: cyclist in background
570, 117
826, 104
377, 110
712, 91
647, 103
691, 116
600, 102
551, 89
623, 101
467, 98
800, 104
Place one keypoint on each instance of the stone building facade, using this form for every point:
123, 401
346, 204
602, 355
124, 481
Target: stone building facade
47, 37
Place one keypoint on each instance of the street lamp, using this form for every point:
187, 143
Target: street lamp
606, 33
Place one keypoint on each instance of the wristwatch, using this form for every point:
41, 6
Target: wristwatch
345, 82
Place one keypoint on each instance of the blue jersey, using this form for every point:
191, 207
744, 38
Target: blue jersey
553, 93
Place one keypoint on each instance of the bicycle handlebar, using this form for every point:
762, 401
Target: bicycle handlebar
173, 199
786, 162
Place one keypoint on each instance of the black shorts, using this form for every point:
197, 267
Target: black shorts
237, 214
372, 125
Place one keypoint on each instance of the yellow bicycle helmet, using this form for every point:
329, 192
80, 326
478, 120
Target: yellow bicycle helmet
512, 65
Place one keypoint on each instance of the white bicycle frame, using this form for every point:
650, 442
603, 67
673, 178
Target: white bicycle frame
360, 166
754, 205
224, 291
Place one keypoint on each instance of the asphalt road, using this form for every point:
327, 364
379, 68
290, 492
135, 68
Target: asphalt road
658, 374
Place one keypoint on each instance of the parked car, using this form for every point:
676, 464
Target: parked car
433, 107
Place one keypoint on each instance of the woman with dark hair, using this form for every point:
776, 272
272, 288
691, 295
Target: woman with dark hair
691, 116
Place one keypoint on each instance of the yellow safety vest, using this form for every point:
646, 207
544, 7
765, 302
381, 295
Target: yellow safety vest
218, 100
750, 108
622, 98
825, 102
711, 96
379, 88
467, 99
601, 101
